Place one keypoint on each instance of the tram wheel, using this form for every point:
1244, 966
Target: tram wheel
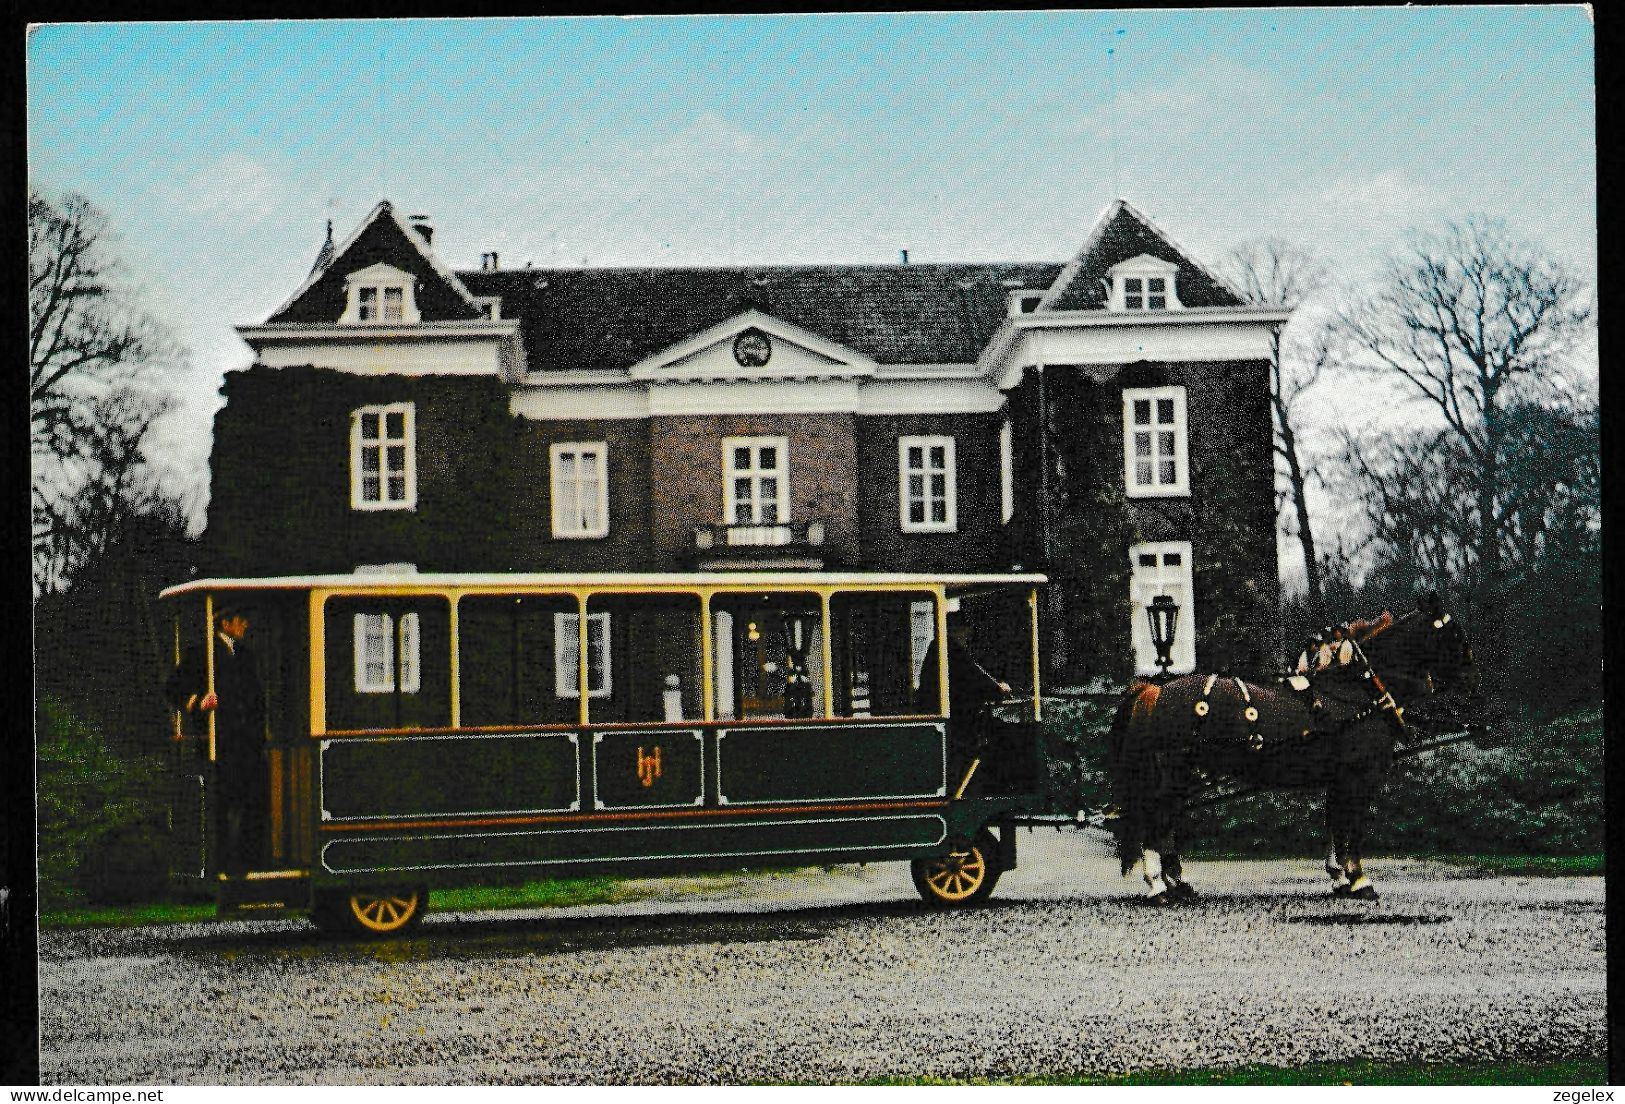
964, 876
371, 911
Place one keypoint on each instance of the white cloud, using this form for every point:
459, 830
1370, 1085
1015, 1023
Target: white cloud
1390, 196
1221, 101
709, 139
231, 184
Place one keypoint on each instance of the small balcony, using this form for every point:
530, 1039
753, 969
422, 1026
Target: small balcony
786, 545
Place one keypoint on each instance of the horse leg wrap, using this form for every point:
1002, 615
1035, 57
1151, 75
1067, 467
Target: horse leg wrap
1362, 888
1340, 878
1155, 884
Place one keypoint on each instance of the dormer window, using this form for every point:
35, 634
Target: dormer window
1155, 297
1144, 283
380, 295
393, 305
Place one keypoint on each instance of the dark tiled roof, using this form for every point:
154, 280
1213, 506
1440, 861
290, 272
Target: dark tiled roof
1127, 236
381, 240
896, 314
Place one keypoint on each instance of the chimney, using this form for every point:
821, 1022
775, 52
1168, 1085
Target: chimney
1022, 301
488, 262
904, 252
756, 296
420, 223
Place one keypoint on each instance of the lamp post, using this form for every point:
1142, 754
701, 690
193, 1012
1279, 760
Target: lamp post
798, 629
798, 693
1163, 613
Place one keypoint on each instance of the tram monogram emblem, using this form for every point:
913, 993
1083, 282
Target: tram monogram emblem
648, 766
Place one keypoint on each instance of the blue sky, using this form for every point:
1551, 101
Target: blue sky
219, 149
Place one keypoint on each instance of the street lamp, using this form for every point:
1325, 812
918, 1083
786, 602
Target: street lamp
798, 628
1163, 612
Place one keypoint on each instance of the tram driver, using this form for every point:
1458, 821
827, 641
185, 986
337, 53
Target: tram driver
238, 705
972, 690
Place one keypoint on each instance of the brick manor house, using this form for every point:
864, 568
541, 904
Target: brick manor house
1105, 420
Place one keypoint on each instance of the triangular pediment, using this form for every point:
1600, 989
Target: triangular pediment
1143, 262
382, 240
753, 346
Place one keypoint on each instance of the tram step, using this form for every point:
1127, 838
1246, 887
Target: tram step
264, 890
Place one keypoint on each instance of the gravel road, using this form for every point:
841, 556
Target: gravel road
842, 975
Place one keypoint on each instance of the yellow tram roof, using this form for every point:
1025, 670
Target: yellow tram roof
670, 580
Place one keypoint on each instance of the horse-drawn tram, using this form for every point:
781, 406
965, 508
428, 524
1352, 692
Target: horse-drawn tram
345, 742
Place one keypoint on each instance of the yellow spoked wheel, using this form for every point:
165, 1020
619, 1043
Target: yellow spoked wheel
963, 876
385, 913
372, 911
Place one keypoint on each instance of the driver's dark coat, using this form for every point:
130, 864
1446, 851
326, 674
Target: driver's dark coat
239, 734
970, 687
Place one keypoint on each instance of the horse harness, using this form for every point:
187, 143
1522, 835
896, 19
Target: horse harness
1382, 701
1255, 738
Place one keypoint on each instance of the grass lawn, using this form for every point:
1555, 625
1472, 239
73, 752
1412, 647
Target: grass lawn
1498, 866
1573, 1071
541, 893
1530, 866
564, 892
538, 893
127, 916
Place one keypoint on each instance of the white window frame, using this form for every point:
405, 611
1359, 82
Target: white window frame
566, 527
383, 442
375, 283
1007, 471
1145, 583
566, 661
1131, 284
950, 496
385, 628
756, 474
922, 630
1154, 430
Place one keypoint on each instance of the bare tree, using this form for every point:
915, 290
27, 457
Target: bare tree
99, 490
1476, 326
92, 360
1273, 272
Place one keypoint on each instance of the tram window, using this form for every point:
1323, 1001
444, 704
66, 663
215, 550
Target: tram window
1001, 640
769, 657
647, 667
381, 641
388, 663
507, 660
881, 644
567, 655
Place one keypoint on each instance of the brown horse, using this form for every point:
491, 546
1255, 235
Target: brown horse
1338, 733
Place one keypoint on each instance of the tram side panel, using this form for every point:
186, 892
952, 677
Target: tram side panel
648, 786
448, 804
